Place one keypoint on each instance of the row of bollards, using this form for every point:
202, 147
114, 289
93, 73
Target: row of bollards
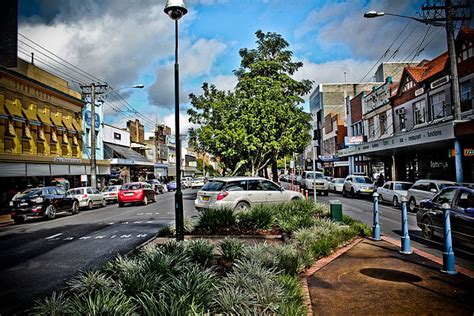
448, 254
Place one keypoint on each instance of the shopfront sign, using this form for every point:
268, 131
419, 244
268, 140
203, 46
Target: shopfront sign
418, 137
341, 163
354, 140
88, 119
67, 160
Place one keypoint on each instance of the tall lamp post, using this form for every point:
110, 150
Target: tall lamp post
93, 91
455, 97
175, 9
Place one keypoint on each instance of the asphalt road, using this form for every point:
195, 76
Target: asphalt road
39, 257
390, 225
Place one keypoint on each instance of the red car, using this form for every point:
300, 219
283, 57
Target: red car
136, 192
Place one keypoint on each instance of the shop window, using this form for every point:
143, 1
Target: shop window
466, 96
402, 120
383, 123
419, 112
437, 104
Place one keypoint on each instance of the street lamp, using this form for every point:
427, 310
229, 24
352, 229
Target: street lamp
92, 90
449, 25
175, 9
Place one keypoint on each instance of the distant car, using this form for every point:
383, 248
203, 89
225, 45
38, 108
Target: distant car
460, 201
171, 186
424, 189
357, 185
393, 191
44, 202
157, 185
336, 184
197, 183
240, 193
88, 197
187, 182
136, 192
110, 193
315, 180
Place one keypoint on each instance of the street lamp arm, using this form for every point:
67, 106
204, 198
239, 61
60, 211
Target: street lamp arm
135, 86
375, 14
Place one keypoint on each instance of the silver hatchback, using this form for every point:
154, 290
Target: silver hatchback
240, 193
424, 189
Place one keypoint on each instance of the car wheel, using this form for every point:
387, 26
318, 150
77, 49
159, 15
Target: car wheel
75, 207
380, 198
395, 201
50, 212
104, 203
427, 228
353, 194
19, 220
90, 205
343, 192
121, 204
241, 206
145, 200
412, 205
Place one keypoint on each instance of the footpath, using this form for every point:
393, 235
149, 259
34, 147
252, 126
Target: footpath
372, 278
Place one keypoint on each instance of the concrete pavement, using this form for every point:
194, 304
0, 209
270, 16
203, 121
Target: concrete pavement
372, 278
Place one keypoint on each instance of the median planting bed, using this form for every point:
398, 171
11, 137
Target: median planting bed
228, 276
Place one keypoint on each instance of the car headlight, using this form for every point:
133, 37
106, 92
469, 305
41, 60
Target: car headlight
11, 203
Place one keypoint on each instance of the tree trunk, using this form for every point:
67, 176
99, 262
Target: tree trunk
275, 169
266, 172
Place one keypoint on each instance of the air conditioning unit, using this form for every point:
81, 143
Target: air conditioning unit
439, 82
400, 111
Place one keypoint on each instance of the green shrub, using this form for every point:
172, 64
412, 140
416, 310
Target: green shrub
257, 217
174, 247
293, 301
55, 305
165, 231
211, 220
170, 229
201, 252
91, 281
103, 303
231, 248
155, 260
299, 214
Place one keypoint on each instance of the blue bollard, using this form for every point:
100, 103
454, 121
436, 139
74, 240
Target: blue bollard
406, 248
448, 255
376, 227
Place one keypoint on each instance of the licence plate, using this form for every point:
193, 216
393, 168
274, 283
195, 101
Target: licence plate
128, 194
205, 198
23, 204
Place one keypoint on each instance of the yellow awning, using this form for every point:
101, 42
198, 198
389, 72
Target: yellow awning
57, 120
14, 108
77, 125
44, 118
31, 116
68, 123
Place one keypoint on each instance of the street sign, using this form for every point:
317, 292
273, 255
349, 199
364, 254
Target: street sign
292, 164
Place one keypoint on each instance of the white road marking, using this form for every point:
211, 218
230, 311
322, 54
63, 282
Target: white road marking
139, 214
157, 213
149, 213
85, 237
125, 223
137, 222
141, 235
125, 236
100, 237
51, 237
69, 238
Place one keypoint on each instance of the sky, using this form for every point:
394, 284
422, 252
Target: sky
131, 42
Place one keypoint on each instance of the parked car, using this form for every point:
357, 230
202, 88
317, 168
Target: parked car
424, 189
460, 201
197, 183
110, 193
311, 180
393, 191
42, 202
187, 182
88, 197
157, 186
240, 193
171, 186
357, 185
336, 184
136, 192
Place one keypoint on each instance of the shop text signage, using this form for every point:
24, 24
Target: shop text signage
417, 137
67, 160
88, 119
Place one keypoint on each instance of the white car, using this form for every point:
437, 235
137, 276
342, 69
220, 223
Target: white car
110, 193
315, 180
357, 185
240, 193
88, 197
424, 189
393, 191
197, 183
336, 184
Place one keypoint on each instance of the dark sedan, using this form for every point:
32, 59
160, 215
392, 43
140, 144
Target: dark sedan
44, 202
460, 201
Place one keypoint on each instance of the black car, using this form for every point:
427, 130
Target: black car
42, 202
460, 201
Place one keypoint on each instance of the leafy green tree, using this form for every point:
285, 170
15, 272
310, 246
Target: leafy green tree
251, 127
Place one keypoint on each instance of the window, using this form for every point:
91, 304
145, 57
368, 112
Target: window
419, 112
466, 200
446, 196
270, 186
89, 190
402, 120
87, 137
383, 123
236, 186
371, 128
255, 185
386, 185
117, 136
437, 104
465, 89
60, 191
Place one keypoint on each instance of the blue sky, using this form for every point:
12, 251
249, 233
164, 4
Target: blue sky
127, 42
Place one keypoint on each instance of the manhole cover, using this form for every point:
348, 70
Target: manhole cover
391, 275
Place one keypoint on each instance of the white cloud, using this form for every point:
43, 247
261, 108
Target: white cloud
184, 124
223, 82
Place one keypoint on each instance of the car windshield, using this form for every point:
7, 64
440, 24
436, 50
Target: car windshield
341, 180
402, 186
131, 186
110, 189
213, 186
319, 175
29, 193
362, 180
75, 191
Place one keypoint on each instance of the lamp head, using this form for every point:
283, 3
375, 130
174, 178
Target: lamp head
373, 14
175, 9
138, 86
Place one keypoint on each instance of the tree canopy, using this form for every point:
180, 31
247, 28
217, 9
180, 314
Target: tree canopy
261, 120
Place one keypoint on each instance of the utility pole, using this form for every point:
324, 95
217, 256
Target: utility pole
90, 91
448, 13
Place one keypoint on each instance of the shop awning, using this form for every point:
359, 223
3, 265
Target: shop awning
14, 108
44, 118
77, 125
67, 121
125, 152
31, 116
57, 121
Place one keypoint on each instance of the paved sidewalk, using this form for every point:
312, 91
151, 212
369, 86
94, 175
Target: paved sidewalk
373, 278
5, 220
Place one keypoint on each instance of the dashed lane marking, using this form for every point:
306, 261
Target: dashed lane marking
54, 236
